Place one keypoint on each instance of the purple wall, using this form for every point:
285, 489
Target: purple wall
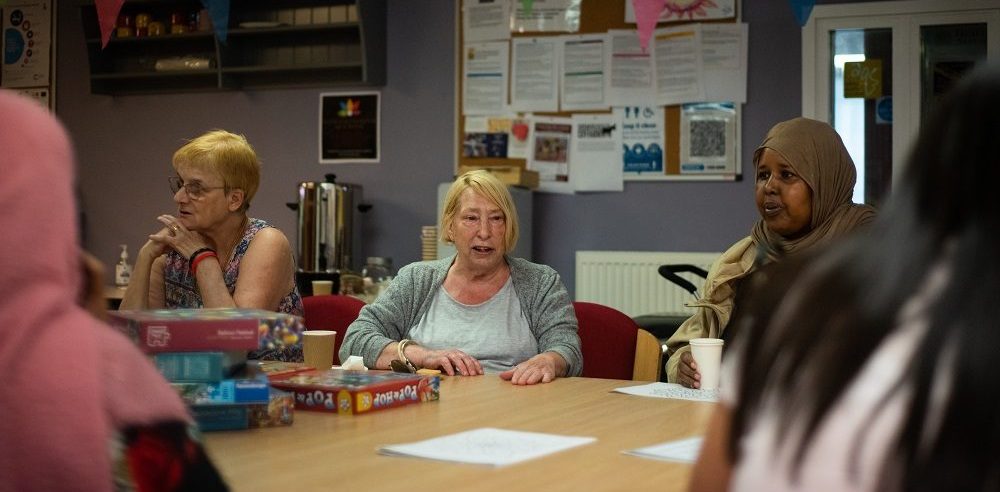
124, 145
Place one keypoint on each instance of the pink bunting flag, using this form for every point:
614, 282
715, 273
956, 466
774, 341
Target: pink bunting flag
107, 17
647, 12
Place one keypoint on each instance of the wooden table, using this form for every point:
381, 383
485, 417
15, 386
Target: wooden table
337, 452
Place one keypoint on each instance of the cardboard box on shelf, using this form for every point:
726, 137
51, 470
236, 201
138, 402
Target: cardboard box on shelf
509, 175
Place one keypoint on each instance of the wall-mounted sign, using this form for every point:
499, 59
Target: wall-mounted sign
863, 79
349, 129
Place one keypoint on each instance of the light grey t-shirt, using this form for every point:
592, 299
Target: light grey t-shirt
495, 332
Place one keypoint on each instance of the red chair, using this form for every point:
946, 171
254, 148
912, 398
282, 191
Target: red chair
613, 346
331, 312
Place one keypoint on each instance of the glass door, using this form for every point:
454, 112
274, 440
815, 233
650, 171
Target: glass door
872, 70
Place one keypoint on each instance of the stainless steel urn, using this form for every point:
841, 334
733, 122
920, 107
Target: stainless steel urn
329, 232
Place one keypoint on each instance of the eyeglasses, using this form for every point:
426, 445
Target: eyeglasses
194, 190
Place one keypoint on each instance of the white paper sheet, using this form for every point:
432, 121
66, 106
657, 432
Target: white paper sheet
683, 451
642, 155
518, 130
708, 140
677, 63
484, 81
534, 83
546, 16
628, 69
596, 153
549, 154
582, 74
485, 20
487, 446
724, 58
670, 390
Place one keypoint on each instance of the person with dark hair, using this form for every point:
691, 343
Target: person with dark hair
805, 180
83, 409
875, 373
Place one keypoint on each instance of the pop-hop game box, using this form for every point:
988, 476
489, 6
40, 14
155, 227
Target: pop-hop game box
357, 392
189, 330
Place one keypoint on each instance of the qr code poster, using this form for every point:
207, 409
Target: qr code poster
708, 143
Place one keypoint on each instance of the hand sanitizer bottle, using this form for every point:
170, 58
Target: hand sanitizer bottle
123, 270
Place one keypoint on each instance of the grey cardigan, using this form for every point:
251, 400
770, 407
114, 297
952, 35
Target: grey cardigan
544, 300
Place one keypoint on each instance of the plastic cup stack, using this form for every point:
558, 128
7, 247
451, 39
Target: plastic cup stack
428, 242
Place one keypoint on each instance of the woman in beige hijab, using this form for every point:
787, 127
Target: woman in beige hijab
804, 183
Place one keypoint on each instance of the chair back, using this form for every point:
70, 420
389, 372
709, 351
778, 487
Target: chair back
331, 312
612, 344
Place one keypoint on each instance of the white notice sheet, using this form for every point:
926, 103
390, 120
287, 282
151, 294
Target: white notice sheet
487, 446
549, 153
484, 81
629, 70
597, 143
534, 80
683, 451
724, 58
669, 390
678, 65
485, 20
582, 82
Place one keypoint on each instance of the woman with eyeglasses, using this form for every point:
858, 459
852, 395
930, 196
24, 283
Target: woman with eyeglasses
211, 253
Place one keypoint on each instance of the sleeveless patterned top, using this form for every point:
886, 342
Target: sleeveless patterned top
181, 289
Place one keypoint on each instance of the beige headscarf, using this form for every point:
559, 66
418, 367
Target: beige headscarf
816, 152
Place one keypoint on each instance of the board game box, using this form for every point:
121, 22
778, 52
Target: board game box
357, 392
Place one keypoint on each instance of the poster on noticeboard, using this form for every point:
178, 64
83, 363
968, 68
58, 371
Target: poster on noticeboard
349, 127
27, 48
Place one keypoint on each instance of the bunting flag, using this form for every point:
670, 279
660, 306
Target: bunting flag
647, 13
218, 10
802, 9
107, 17
527, 6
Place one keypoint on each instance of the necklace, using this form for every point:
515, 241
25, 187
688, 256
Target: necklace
236, 240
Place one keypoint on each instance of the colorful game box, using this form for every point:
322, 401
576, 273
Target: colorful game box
357, 392
200, 366
247, 390
191, 330
278, 410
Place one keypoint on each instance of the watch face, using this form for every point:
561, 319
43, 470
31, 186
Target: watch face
398, 366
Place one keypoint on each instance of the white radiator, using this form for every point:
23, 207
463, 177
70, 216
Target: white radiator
628, 280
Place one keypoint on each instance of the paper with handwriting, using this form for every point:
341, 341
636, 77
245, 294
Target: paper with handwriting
670, 390
487, 446
684, 450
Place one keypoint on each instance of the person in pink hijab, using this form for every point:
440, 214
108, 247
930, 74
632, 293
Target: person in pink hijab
82, 409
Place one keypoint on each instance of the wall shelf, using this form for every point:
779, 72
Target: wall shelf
294, 43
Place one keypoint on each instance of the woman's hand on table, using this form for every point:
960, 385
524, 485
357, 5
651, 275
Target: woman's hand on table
452, 362
687, 371
542, 368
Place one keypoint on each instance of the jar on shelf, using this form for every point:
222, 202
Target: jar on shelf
377, 274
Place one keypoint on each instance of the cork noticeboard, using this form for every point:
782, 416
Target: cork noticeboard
596, 17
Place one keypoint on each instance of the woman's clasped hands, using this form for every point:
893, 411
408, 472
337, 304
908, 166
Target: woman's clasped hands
174, 235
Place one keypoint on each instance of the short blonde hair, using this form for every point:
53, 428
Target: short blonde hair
489, 186
225, 154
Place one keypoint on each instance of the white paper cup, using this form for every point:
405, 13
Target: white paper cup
322, 287
707, 353
317, 348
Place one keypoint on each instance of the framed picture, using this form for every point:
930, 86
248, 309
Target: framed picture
349, 128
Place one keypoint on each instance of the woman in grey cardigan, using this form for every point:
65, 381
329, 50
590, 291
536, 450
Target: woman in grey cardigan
478, 311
